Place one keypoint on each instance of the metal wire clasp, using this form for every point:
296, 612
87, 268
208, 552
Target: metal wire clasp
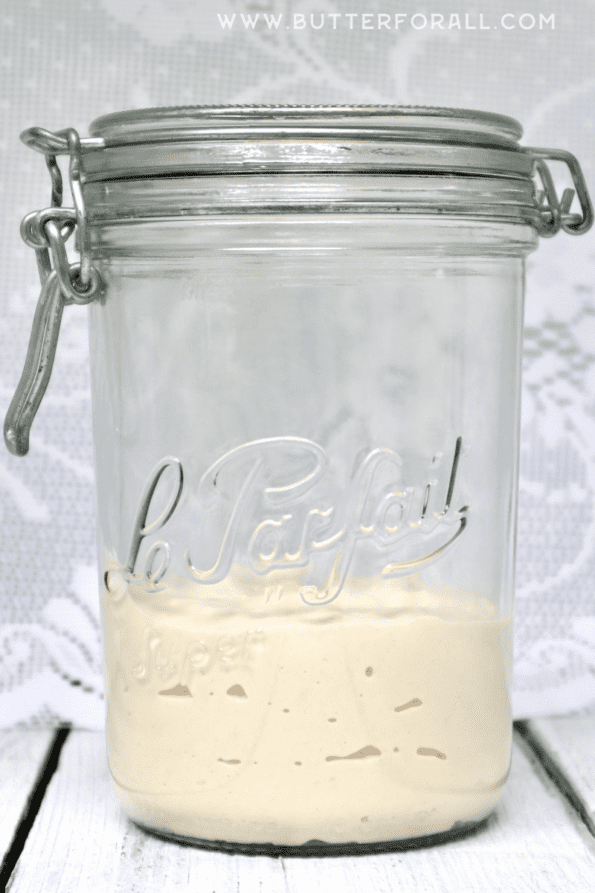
555, 213
62, 283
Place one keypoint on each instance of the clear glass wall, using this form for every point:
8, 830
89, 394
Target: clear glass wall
306, 435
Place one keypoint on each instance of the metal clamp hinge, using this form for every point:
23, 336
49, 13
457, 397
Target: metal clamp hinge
62, 283
555, 212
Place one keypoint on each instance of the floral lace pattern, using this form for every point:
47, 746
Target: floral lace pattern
67, 62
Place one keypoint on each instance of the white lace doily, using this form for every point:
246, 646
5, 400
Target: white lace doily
63, 64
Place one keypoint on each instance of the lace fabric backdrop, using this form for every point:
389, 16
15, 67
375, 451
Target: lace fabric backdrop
66, 62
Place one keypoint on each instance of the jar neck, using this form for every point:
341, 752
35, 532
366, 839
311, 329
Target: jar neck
190, 239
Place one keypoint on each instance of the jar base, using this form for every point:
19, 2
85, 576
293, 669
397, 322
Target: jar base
319, 848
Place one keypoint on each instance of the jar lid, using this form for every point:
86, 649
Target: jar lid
226, 139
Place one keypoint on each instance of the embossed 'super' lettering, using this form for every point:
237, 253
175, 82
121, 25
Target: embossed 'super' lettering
168, 658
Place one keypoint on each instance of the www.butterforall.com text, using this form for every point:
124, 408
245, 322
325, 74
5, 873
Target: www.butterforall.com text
369, 21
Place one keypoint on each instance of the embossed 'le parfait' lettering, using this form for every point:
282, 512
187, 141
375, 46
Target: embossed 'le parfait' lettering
376, 511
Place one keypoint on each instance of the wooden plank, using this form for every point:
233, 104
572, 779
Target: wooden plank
568, 745
22, 755
82, 841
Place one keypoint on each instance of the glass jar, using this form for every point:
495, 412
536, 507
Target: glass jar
305, 332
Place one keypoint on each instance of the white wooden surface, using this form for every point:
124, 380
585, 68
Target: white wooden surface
536, 843
570, 745
21, 755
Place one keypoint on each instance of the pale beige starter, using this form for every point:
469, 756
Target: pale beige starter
367, 720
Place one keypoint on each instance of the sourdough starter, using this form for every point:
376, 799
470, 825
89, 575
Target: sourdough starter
382, 716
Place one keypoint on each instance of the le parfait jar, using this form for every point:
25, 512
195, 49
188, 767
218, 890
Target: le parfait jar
305, 329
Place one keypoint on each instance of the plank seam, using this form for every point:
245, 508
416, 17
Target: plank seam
555, 772
32, 806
